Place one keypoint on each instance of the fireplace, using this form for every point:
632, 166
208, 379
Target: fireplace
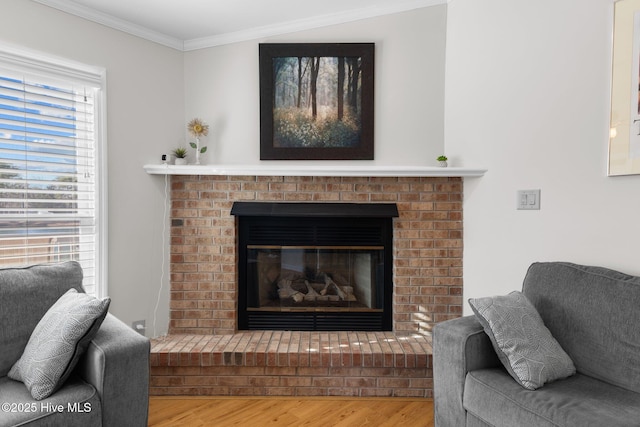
427, 241
315, 266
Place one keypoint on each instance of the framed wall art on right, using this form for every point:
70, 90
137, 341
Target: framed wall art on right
624, 132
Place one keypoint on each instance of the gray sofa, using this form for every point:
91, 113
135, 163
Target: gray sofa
110, 384
593, 313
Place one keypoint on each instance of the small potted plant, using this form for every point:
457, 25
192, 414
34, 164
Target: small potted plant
181, 156
442, 160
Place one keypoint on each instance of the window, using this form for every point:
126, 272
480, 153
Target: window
51, 165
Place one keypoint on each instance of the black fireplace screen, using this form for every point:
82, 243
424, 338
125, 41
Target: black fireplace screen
314, 266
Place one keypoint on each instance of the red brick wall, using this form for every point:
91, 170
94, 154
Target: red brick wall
427, 243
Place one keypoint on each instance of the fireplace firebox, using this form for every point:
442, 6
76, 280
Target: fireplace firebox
315, 266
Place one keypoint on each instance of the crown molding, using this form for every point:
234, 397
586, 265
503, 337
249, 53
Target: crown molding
113, 22
237, 36
307, 24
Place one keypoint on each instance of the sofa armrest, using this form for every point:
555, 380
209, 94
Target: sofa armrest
117, 365
459, 346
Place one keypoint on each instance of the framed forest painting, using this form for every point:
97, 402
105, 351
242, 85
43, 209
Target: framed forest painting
316, 101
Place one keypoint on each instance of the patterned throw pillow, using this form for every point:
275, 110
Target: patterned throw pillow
58, 341
523, 343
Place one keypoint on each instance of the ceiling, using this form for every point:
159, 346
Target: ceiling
196, 24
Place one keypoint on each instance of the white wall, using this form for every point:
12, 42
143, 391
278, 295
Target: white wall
222, 87
145, 96
527, 96
149, 86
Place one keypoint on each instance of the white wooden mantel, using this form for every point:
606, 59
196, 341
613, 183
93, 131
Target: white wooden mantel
313, 170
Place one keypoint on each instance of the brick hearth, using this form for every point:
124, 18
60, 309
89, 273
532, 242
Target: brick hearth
284, 363
427, 289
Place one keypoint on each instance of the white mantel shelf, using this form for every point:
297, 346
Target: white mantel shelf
298, 170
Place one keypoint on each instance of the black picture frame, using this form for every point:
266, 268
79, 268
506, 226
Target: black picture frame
304, 115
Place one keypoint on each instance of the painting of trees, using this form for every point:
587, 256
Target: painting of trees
318, 102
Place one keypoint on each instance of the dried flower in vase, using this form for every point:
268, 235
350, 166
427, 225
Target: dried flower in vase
198, 128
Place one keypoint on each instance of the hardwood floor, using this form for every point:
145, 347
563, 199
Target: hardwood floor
289, 411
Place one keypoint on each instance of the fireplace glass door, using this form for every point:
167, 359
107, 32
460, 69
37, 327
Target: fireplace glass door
314, 278
315, 267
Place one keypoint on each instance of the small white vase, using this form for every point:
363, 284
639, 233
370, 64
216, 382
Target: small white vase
180, 161
443, 163
197, 151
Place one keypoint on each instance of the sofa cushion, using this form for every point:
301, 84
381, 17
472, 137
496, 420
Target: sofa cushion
80, 402
593, 313
58, 341
524, 345
25, 296
492, 396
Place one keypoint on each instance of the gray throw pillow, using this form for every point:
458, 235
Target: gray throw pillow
523, 343
58, 341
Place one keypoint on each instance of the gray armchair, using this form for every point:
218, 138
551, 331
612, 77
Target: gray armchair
593, 314
110, 384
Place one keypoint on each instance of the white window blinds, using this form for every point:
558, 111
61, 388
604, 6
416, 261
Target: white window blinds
48, 171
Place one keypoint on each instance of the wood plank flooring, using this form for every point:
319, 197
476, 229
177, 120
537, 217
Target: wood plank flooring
165, 411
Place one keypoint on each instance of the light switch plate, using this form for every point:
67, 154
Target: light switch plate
528, 200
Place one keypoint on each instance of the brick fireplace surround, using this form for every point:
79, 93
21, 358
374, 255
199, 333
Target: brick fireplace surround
205, 354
